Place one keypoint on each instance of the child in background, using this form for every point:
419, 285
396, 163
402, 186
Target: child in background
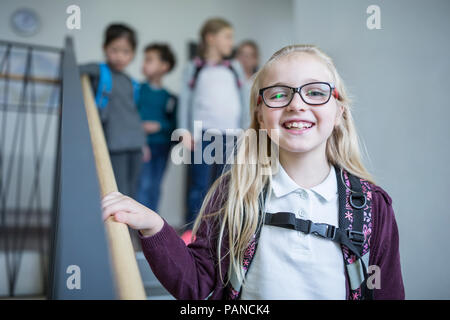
248, 55
157, 108
308, 230
211, 93
116, 95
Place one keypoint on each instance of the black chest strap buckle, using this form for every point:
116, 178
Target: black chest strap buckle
289, 221
323, 230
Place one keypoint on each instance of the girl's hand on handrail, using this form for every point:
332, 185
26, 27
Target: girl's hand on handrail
126, 210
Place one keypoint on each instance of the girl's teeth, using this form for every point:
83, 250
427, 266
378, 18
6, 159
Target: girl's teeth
299, 125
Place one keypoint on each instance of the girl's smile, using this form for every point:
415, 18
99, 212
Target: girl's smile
297, 125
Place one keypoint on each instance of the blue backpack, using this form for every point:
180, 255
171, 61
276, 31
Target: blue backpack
105, 86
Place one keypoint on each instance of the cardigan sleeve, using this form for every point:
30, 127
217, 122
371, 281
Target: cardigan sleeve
385, 252
187, 272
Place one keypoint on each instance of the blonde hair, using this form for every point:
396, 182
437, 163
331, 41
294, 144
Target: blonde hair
237, 214
211, 26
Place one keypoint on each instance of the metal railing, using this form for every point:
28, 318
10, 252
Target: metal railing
81, 257
29, 108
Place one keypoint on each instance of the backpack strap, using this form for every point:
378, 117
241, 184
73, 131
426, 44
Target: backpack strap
136, 91
199, 64
355, 216
234, 288
347, 237
104, 86
228, 64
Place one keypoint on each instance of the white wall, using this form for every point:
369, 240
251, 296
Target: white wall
399, 79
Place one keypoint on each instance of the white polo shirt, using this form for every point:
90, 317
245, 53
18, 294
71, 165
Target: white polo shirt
289, 264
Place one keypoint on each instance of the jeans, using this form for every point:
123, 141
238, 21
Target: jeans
152, 173
201, 177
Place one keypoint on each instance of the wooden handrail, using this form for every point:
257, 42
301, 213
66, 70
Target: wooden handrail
126, 272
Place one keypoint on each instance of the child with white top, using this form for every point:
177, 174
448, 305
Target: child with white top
212, 95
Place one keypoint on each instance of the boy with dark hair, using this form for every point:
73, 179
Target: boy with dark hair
157, 108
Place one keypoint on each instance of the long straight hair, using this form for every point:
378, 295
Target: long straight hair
237, 214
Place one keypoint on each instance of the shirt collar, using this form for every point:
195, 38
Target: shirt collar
282, 185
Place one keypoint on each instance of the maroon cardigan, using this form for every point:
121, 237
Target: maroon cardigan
191, 272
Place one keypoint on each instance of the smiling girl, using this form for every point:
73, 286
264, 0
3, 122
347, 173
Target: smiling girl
309, 230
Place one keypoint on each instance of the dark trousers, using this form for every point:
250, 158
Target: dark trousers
201, 177
152, 173
126, 166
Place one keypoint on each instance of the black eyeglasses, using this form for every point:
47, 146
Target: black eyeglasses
314, 93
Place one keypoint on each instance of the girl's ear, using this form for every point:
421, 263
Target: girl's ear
259, 117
